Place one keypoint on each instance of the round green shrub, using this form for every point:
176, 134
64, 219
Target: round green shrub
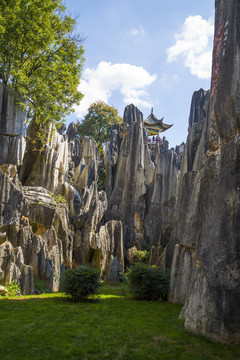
148, 282
81, 282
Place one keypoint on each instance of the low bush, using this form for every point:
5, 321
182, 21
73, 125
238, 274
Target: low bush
13, 288
41, 286
148, 282
80, 282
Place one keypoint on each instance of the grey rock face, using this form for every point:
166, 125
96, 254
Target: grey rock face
12, 128
36, 235
50, 243
46, 167
12, 267
102, 221
161, 205
196, 129
129, 189
198, 107
3, 291
109, 241
11, 200
141, 192
111, 156
206, 265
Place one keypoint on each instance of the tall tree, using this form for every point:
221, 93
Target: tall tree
41, 57
98, 121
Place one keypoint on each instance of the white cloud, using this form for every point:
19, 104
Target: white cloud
194, 43
129, 80
137, 31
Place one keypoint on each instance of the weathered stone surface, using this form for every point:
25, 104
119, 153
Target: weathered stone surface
12, 267
198, 108
86, 172
12, 128
74, 151
38, 228
161, 205
207, 213
11, 200
182, 277
109, 241
51, 242
46, 166
130, 255
141, 192
130, 184
111, 156
87, 224
114, 271
196, 129
3, 290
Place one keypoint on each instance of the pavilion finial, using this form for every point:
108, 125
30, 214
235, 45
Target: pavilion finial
152, 111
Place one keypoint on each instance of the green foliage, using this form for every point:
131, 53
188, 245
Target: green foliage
59, 199
147, 246
97, 123
41, 286
13, 288
141, 256
148, 282
101, 179
40, 57
81, 282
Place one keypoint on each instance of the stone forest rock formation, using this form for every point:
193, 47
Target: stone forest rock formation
141, 192
12, 128
61, 204
54, 213
206, 261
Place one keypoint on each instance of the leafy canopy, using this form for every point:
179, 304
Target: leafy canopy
97, 123
40, 56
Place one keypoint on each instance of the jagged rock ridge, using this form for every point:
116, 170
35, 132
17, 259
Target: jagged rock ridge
57, 215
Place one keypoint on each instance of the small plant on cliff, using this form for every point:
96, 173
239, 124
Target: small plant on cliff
141, 256
59, 199
80, 283
148, 283
101, 179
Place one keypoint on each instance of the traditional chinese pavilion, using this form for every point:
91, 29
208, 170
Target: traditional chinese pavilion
154, 126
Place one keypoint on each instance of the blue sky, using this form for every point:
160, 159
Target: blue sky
151, 53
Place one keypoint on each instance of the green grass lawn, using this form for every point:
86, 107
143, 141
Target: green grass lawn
113, 327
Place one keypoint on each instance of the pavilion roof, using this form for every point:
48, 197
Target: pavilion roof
154, 123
